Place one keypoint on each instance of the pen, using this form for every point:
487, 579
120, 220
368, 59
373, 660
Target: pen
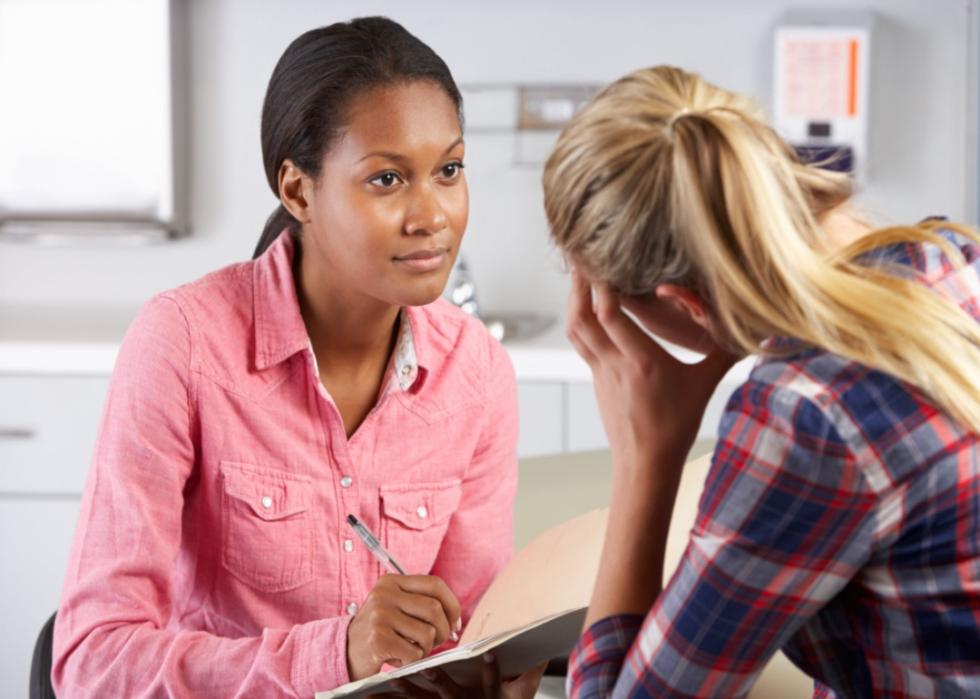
380, 552
374, 546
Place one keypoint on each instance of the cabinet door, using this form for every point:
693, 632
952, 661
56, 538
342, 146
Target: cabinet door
35, 536
541, 418
48, 426
585, 432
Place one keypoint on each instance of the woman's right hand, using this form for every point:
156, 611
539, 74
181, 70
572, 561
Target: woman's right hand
403, 618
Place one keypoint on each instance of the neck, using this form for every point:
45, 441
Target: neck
843, 227
348, 331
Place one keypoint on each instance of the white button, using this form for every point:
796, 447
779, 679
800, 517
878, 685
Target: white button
267, 502
346, 481
406, 370
422, 512
352, 608
348, 545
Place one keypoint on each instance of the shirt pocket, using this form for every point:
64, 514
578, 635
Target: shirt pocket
267, 527
414, 521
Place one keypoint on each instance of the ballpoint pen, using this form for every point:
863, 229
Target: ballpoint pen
380, 552
374, 546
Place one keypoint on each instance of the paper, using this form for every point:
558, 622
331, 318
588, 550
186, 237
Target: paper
553, 573
532, 612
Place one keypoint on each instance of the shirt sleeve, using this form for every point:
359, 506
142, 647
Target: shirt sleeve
784, 522
480, 536
113, 633
596, 660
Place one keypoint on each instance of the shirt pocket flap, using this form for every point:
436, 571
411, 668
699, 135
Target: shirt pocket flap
269, 495
421, 505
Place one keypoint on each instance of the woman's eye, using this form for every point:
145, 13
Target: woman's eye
451, 170
385, 179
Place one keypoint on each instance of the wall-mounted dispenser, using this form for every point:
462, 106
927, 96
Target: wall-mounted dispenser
821, 91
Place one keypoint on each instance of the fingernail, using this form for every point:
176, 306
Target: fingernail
488, 657
454, 637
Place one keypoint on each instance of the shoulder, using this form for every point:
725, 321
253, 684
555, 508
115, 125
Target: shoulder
217, 298
465, 363
834, 408
955, 278
210, 316
460, 338
933, 262
950, 266
794, 398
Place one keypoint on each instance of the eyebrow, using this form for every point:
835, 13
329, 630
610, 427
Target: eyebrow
398, 157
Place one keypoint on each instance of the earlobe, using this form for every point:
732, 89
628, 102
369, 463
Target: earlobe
292, 191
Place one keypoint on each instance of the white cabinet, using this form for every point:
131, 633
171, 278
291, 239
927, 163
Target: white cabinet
47, 430
36, 538
553, 381
581, 425
585, 431
48, 426
542, 420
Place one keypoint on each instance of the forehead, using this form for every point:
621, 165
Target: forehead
406, 117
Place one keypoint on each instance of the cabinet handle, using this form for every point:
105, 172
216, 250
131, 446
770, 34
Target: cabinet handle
16, 433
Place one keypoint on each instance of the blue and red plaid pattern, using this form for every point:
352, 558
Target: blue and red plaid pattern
840, 522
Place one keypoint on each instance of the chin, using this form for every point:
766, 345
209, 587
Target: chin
421, 294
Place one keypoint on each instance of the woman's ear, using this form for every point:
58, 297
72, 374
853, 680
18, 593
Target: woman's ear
687, 302
294, 188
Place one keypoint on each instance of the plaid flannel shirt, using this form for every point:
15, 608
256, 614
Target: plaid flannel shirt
840, 522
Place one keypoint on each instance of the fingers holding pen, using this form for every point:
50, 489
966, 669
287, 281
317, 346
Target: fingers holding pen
402, 619
423, 591
423, 620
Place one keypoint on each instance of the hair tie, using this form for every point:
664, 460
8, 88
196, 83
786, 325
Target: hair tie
683, 111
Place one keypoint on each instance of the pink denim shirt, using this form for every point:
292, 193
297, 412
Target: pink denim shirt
212, 556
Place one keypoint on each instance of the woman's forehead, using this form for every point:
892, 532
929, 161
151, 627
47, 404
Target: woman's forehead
405, 119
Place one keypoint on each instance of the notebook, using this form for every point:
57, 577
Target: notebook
532, 612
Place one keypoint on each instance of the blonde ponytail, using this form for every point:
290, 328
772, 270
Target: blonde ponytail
666, 178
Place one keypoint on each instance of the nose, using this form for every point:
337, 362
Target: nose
425, 214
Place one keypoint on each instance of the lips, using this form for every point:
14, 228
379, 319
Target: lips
423, 260
423, 254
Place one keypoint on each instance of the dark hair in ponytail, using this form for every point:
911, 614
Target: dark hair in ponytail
313, 84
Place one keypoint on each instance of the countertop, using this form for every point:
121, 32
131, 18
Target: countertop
70, 341
84, 342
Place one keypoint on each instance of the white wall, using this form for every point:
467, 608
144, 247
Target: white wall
920, 129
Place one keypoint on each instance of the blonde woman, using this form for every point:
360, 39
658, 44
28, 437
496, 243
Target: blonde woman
840, 520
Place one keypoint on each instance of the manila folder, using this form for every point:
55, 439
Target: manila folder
532, 612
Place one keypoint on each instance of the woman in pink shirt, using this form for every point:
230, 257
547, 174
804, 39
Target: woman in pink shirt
252, 410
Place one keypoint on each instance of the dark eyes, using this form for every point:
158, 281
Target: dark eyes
386, 179
389, 178
453, 169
